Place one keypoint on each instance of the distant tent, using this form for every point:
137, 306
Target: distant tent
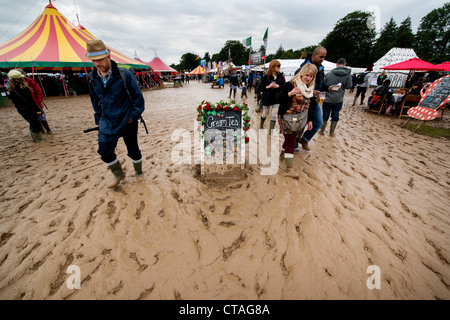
52, 43
395, 55
161, 68
198, 70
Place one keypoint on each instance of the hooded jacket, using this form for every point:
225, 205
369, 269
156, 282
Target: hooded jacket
338, 75
112, 104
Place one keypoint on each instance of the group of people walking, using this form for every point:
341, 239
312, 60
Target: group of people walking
295, 104
118, 104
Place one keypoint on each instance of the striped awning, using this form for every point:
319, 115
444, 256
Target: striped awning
52, 42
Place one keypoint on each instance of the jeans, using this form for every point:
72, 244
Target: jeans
106, 147
317, 122
333, 109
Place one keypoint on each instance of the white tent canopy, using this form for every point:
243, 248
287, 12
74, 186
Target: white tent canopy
395, 55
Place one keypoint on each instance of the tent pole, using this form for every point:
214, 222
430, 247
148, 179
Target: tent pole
42, 85
63, 82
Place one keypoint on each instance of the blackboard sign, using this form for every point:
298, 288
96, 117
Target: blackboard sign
222, 137
437, 94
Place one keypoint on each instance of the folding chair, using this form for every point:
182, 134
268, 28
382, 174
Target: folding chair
377, 103
409, 102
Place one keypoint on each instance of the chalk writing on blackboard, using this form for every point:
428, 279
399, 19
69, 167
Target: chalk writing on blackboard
437, 95
223, 137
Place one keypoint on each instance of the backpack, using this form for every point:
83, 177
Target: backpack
122, 76
360, 78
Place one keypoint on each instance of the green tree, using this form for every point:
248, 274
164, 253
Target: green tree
433, 34
404, 36
188, 62
279, 52
291, 54
306, 51
352, 38
238, 52
386, 40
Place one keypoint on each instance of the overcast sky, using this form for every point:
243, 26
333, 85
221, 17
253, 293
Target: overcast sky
174, 27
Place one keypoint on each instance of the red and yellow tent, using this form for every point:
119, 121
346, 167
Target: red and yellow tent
198, 70
52, 43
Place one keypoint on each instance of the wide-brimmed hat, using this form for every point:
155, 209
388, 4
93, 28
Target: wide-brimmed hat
15, 74
96, 50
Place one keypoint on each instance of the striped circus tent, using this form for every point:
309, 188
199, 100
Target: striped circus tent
198, 70
52, 43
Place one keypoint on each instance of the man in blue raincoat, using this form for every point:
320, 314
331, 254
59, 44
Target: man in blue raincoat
118, 107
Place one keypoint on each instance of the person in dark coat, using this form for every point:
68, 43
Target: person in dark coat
116, 111
20, 95
316, 58
38, 97
270, 86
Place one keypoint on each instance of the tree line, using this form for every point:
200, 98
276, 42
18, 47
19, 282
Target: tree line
354, 38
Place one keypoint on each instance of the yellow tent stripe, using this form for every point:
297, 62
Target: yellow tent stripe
66, 52
35, 50
31, 33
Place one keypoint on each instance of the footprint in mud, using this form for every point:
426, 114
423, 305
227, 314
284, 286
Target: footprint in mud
111, 209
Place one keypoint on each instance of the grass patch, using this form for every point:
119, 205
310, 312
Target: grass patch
430, 131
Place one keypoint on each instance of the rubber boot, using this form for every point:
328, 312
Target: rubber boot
118, 173
304, 144
261, 125
272, 126
290, 172
333, 127
354, 101
138, 168
36, 136
46, 127
322, 130
362, 100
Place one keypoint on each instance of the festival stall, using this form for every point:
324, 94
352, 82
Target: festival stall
161, 68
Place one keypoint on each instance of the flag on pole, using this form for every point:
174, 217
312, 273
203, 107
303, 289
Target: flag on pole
266, 35
198, 57
247, 42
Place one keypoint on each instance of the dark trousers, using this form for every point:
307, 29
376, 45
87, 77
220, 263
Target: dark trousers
32, 118
106, 147
362, 91
331, 109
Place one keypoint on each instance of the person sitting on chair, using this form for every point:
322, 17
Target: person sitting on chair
380, 91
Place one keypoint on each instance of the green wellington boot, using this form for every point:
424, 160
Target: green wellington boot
119, 175
290, 172
333, 127
36, 136
272, 126
322, 130
138, 168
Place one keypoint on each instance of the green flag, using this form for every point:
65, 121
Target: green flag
247, 42
266, 35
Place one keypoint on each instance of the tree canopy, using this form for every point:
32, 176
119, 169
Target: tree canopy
352, 38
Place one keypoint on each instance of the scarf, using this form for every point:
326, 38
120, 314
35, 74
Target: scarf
307, 91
